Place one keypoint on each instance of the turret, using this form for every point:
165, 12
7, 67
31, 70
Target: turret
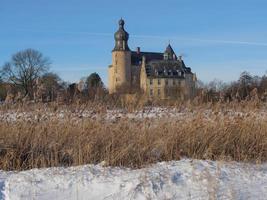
120, 70
121, 38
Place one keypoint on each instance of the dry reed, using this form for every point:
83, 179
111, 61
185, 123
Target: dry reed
132, 143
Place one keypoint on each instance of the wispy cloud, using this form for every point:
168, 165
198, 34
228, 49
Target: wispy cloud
74, 68
63, 32
172, 38
166, 38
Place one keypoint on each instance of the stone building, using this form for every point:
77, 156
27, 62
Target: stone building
159, 75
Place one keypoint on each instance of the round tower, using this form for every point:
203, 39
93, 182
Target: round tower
120, 70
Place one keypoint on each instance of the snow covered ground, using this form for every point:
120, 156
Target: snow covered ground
185, 179
113, 115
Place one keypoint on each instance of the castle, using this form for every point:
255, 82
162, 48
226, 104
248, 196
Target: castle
158, 75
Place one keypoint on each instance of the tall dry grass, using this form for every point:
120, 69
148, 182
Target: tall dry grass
132, 143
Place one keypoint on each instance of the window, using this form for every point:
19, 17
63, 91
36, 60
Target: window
166, 82
151, 92
174, 82
151, 81
158, 92
158, 81
165, 72
166, 56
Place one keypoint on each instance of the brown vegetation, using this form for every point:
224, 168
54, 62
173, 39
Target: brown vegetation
135, 143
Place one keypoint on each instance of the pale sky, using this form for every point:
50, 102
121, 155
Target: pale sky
219, 39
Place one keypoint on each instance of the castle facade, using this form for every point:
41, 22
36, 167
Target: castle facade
158, 75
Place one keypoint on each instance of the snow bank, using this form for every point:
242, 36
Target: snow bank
185, 179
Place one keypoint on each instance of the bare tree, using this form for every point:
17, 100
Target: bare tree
24, 68
94, 85
3, 91
50, 82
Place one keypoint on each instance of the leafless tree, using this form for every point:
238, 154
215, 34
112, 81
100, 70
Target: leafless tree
24, 68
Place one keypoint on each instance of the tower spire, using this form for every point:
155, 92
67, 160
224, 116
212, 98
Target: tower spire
121, 38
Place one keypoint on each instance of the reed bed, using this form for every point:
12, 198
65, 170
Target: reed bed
134, 143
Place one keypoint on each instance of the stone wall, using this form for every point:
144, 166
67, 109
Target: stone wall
120, 71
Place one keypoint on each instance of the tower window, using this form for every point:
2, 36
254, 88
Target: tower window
166, 82
174, 82
158, 81
151, 81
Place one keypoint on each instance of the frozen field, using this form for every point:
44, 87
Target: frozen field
113, 115
185, 179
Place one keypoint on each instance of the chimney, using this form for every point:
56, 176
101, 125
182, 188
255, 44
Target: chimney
138, 50
143, 59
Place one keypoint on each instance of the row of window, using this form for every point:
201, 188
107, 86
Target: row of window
151, 92
167, 82
170, 73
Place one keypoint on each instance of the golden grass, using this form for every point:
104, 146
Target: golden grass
133, 143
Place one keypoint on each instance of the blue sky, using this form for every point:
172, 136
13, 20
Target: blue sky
219, 39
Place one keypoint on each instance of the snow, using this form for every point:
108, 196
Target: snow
184, 179
115, 114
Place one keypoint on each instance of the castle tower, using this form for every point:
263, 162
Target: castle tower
120, 70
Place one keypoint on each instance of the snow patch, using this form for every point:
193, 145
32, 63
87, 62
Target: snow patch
184, 179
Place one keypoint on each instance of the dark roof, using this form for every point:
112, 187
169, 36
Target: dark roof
121, 38
161, 65
169, 50
169, 53
150, 56
167, 69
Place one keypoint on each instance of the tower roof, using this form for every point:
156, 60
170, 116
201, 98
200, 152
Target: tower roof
121, 38
121, 23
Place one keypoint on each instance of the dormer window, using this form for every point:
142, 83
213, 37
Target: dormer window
165, 72
166, 56
156, 72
